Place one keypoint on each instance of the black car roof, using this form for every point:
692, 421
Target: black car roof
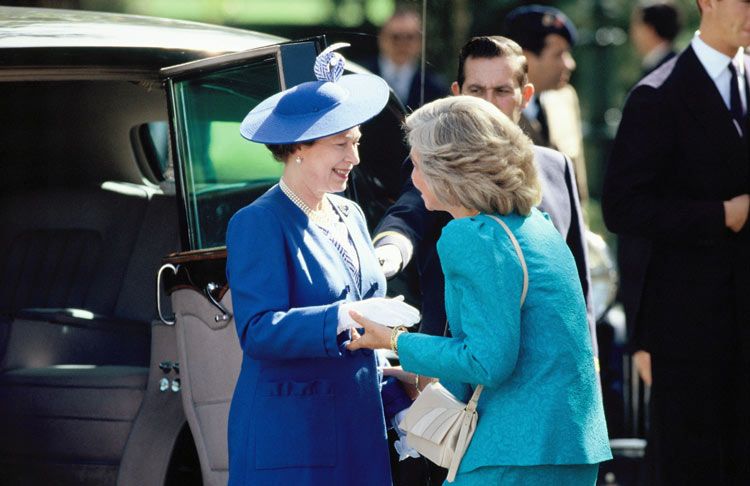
71, 38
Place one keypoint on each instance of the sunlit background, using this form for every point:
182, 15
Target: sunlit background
607, 63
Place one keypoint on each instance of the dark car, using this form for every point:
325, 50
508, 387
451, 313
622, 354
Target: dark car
120, 146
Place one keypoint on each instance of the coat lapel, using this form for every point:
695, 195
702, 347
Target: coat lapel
334, 260
701, 98
703, 101
533, 130
344, 210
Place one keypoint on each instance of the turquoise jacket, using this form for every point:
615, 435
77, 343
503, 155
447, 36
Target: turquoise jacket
541, 402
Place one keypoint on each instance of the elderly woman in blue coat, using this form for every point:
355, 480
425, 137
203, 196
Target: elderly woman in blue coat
540, 413
307, 411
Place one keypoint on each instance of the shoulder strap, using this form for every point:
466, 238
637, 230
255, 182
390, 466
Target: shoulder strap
520, 256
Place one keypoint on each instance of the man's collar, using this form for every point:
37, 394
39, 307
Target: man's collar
712, 60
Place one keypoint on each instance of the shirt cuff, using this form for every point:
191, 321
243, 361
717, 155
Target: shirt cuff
398, 240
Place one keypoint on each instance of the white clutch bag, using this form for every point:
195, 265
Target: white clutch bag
440, 427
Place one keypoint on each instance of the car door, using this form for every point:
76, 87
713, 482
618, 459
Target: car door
217, 173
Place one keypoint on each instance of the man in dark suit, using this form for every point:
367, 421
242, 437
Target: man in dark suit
653, 28
679, 177
400, 45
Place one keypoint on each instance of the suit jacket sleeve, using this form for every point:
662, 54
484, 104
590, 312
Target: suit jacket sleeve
634, 201
258, 274
576, 240
407, 217
486, 349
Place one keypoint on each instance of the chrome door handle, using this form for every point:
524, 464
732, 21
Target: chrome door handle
225, 314
169, 322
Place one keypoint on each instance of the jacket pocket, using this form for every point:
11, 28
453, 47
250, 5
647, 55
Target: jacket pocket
295, 425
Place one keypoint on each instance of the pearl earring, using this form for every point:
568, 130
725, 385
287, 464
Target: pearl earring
298, 159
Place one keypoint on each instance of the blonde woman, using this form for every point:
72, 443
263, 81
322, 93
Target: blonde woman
540, 415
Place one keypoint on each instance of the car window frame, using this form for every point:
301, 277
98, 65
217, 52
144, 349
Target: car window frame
294, 60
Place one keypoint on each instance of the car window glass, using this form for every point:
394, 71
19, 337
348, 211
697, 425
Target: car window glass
221, 171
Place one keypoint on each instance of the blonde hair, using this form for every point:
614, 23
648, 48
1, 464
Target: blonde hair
474, 156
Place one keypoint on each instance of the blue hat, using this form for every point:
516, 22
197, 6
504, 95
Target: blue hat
317, 109
530, 24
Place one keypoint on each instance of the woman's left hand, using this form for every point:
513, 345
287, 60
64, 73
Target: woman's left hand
376, 336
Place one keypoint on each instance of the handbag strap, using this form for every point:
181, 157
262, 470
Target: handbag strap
461, 443
520, 256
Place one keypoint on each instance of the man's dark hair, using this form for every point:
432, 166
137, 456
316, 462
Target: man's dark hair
488, 47
663, 17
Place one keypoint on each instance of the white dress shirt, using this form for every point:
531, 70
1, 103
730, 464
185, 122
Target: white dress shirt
717, 67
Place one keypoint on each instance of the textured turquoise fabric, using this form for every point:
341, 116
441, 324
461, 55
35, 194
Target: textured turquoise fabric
541, 403
563, 475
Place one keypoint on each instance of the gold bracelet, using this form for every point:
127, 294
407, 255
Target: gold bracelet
395, 333
416, 382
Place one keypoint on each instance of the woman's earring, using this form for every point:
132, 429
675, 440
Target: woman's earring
298, 159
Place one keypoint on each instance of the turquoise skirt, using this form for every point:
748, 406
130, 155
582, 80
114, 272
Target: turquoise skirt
563, 475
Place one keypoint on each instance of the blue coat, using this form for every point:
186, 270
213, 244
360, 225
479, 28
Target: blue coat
541, 404
305, 410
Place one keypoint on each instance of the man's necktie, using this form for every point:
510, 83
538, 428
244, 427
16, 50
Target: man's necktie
735, 103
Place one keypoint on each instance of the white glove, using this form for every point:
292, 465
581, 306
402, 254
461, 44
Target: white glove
403, 449
389, 312
390, 259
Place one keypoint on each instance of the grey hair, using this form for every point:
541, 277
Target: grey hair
474, 156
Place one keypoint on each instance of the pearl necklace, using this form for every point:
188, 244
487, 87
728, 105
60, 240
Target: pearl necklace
323, 217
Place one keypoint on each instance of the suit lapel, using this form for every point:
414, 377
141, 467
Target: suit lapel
702, 99
533, 130
332, 255
343, 211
